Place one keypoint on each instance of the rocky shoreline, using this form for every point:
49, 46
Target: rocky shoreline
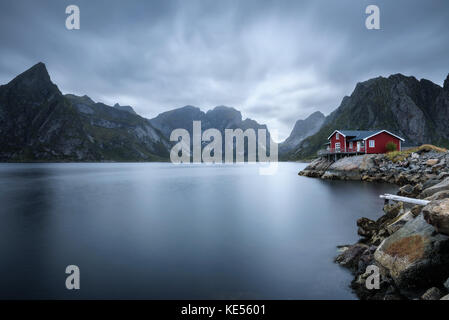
409, 244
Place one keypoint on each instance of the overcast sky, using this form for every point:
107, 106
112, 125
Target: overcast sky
276, 61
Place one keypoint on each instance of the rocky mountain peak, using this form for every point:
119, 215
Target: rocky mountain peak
394, 79
446, 83
124, 108
415, 110
301, 130
34, 83
37, 73
400, 76
80, 99
316, 115
224, 113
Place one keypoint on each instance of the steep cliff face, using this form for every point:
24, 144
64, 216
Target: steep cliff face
119, 135
38, 123
301, 130
441, 111
415, 110
183, 118
219, 118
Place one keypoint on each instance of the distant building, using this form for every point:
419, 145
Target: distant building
359, 142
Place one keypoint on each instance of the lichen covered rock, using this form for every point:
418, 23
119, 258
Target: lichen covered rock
415, 255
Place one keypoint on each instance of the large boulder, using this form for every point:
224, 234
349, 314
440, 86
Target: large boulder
439, 195
367, 227
392, 210
442, 186
349, 258
368, 162
443, 175
316, 168
404, 178
436, 213
432, 162
348, 163
374, 232
406, 191
432, 294
319, 164
341, 175
399, 222
344, 169
410, 190
430, 183
415, 255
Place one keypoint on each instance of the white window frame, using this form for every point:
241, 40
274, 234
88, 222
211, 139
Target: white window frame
337, 146
337, 136
372, 143
351, 145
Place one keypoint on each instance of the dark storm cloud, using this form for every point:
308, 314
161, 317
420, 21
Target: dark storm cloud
277, 61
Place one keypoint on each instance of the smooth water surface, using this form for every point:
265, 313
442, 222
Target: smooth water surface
164, 231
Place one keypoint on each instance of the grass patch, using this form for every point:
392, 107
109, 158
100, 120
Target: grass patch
396, 156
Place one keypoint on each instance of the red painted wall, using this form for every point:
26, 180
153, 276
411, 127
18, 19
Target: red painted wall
340, 139
380, 141
354, 146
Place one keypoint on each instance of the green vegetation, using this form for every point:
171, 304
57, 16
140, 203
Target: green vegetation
396, 156
391, 146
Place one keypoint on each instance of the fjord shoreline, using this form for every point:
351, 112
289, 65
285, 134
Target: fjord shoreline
408, 244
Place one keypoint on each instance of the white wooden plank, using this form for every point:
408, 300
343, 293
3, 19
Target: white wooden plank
404, 199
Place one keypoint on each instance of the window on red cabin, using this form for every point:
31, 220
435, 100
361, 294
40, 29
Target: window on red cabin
337, 136
350, 145
371, 143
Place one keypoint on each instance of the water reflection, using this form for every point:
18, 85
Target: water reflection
157, 231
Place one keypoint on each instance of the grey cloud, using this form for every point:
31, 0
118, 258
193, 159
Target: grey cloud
276, 61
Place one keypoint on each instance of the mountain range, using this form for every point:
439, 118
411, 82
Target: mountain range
39, 123
417, 110
302, 130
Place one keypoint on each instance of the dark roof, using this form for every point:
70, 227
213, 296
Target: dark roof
357, 135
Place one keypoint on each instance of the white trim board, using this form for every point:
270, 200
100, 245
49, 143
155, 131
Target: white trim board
386, 132
334, 132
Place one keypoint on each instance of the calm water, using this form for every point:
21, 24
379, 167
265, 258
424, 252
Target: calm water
162, 231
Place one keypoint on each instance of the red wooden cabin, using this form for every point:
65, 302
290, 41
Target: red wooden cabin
355, 141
